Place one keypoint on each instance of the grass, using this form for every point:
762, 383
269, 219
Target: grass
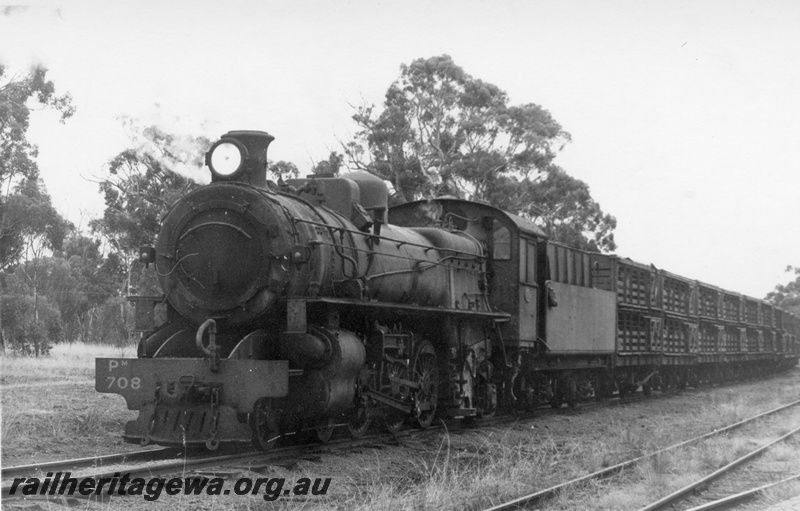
462, 469
673, 470
50, 409
782, 492
476, 469
65, 362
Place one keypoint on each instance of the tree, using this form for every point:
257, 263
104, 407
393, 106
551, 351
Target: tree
79, 282
562, 206
18, 96
33, 224
34, 230
282, 170
442, 131
141, 185
331, 166
787, 296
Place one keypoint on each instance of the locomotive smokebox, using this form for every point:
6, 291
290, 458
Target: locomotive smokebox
240, 156
223, 252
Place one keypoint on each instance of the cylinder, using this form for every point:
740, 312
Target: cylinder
328, 383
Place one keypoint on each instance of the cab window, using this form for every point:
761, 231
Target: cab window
501, 241
527, 261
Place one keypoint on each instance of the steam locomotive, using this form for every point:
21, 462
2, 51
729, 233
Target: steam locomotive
312, 305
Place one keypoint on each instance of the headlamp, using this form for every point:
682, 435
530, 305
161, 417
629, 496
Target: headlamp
226, 158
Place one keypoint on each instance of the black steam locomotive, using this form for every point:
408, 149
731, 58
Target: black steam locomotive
310, 305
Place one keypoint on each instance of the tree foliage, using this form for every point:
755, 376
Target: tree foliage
141, 185
282, 170
29, 225
32, 224
787, 296
75, 299
19, 95
330, 166
442, 131
34, 230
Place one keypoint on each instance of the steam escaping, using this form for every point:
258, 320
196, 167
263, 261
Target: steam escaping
179, 153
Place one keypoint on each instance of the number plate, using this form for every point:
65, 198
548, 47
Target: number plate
243, 381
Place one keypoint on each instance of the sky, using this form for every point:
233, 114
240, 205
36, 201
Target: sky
684, 115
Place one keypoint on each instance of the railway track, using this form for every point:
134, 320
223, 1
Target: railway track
727, 502
541, 495
149, 463
144, 467
166, 461
766, 478
92, 461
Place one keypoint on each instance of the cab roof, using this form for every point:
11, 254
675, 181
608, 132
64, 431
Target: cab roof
522, 225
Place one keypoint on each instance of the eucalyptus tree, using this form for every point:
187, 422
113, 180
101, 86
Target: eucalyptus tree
20, 94
443, 131
787, 296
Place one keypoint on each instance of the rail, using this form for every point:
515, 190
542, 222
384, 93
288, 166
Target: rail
679, 495
541, 495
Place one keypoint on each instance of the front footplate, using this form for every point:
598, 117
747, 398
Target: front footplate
181, 401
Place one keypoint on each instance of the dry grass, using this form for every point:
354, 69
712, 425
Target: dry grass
466, 469
673, 470
477, 469
781, 493
65, 362
50, 409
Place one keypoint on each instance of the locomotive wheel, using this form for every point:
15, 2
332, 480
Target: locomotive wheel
425, 372
487, 413
323, 429
264, 425
359, 422
393, 421
490, 402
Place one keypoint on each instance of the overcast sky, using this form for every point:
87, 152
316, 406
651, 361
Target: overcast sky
684, 116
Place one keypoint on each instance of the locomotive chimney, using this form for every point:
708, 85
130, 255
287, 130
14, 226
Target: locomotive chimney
240, 156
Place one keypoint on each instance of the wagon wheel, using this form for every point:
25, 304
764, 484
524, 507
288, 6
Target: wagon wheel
359, 422
604, 387
570, 386
323, 429
622, 387
682, 380
264, 425
669, 382
661, 383
557, 399
426, 373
